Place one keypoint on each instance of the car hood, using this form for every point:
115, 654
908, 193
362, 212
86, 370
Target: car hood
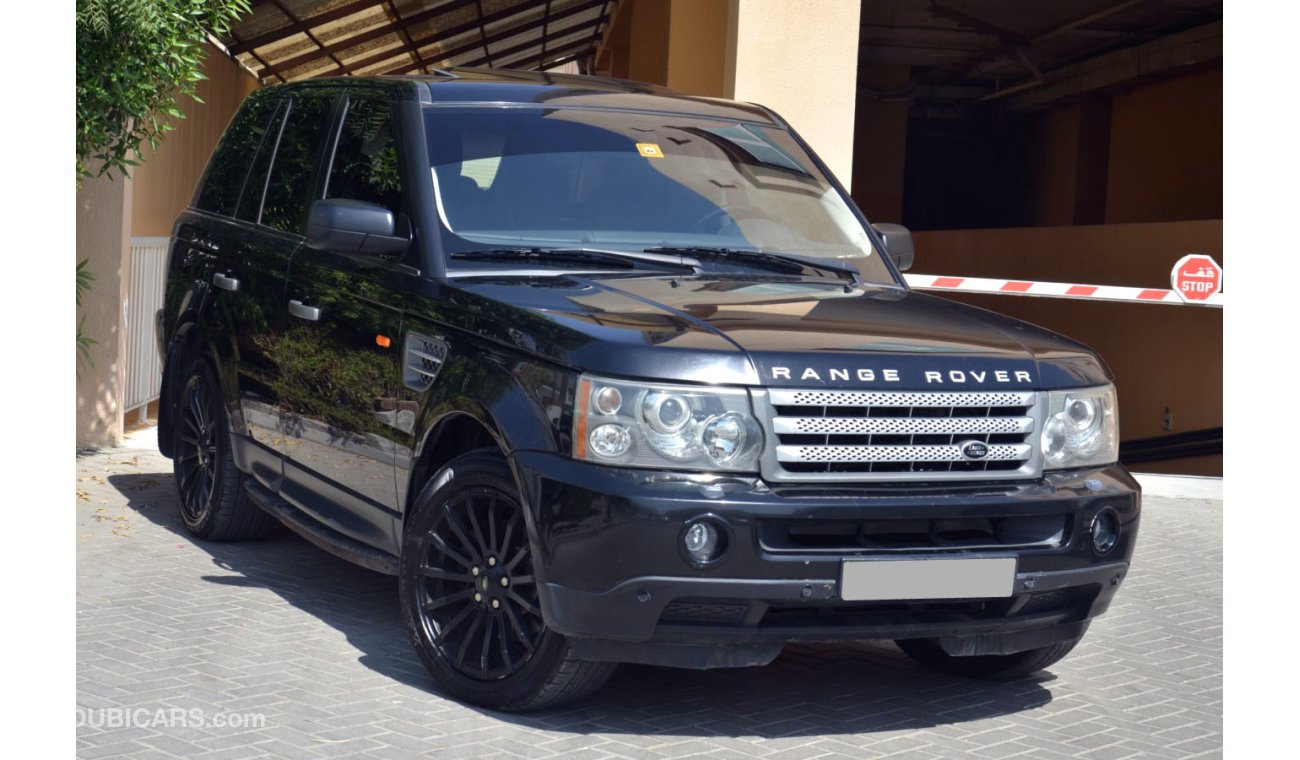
781, 332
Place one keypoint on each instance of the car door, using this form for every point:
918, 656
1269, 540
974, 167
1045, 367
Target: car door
345, 424
245, 274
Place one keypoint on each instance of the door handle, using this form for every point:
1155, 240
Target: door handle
302, 311
224, 282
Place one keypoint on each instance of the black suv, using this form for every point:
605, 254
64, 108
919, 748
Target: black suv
605, 373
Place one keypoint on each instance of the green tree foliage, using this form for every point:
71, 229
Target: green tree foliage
85, 278
134, 58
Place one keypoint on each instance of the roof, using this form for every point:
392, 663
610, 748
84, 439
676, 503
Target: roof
288, 40
495, 86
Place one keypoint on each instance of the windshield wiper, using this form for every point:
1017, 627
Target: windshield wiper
783, 262
623, 259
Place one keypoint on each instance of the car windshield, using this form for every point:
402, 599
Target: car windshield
586, 178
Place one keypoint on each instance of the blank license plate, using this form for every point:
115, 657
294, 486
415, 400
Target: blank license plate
878, 580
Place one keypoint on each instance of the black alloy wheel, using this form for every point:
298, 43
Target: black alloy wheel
470, 596
209, 487
197, 452
479, 605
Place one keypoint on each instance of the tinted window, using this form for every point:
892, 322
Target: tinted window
230, 162
365, 161
250, 200
292, 182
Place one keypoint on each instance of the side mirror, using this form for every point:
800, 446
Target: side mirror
898, 244
347, 226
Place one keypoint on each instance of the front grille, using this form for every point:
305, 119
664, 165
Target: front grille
902, 435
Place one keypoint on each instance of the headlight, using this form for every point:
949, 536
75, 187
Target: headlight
1082, 428
670, 426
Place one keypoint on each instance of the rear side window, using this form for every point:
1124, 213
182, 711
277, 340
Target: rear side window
250, 200
229, 165
365, 160
291, 186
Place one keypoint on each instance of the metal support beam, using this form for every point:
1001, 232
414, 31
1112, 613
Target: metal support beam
1201, 45
504, 34
500, 55
243, 46
358, 39
469, 26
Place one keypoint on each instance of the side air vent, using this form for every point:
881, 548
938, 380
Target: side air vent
423, 358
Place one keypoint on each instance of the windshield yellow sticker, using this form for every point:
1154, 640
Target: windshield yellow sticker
649, 150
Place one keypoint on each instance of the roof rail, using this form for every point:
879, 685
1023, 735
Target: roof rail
445, 73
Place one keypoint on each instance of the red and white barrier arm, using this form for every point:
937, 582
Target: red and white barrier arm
1053, 290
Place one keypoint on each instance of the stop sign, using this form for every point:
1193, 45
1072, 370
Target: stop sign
1197, 277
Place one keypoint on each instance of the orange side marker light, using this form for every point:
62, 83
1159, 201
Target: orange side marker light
584, 398
383, 341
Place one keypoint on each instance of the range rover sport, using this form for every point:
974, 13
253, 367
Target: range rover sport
605, 373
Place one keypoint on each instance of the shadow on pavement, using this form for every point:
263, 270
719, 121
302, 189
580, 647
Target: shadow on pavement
809, 690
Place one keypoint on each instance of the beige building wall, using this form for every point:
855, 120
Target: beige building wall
697, 51
103, 229
648, 58
800, 58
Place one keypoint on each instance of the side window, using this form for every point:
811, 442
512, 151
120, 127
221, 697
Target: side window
293, 175
365, 159
229, 163
250, 200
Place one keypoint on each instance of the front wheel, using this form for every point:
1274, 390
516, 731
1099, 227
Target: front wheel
993, 667
469, 596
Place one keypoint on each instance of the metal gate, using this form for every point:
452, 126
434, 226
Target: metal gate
144, 299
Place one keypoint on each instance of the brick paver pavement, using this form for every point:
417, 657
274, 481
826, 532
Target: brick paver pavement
177, 640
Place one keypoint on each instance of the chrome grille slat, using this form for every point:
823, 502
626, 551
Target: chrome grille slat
901, 425
817, 435
901, 398
997, 453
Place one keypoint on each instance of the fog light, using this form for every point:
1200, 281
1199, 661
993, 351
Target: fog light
703, 542
1105, 531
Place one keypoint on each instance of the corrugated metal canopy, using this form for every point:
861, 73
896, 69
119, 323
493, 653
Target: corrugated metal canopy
285, 40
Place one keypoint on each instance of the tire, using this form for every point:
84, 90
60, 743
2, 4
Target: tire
466, 538
209, 488
991, 667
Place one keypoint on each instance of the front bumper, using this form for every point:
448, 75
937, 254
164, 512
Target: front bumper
612, 576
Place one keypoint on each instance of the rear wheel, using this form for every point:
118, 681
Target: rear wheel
993, 667
208, 485
469, 596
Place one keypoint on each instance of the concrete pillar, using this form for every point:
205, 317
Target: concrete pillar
103, 237
697, 49
797, 57
800, 58
648, 59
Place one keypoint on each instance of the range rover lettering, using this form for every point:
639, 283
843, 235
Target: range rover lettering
606, 373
